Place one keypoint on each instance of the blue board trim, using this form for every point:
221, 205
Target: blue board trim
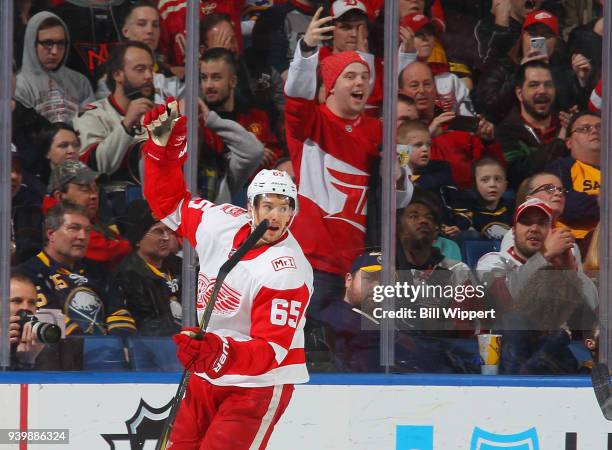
315, 379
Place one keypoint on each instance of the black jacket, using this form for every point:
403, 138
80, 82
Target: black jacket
493, 40
585, 41
524, 152
148, 296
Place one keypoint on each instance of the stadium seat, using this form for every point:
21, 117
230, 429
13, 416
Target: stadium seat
581, 353
104, 353
153, 353
473, 249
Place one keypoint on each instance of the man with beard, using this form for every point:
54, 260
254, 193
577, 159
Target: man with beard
533, 135
110, 128
537, 320
258, 83
218, 82
142, 24
580, 174
537, 244
230, 153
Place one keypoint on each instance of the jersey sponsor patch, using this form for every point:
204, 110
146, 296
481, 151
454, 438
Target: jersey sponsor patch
284, 262
234, 211
228, 299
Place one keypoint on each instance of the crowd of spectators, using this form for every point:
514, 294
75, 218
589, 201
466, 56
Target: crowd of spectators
498, 140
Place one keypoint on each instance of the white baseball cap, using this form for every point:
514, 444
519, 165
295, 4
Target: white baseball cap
340, 7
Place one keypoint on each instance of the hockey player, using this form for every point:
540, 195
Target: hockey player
253, 351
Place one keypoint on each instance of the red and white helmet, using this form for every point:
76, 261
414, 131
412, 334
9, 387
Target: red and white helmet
273, 182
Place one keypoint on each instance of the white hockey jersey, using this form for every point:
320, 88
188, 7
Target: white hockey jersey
263, 298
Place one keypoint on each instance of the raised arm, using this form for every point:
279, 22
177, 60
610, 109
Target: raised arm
302, 77
164, 186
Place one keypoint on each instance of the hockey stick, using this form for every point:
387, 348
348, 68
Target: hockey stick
223, 272
600, 376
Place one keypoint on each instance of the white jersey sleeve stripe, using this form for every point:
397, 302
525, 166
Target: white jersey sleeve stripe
173, 221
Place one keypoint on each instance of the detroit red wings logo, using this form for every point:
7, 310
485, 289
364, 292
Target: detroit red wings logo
228, 300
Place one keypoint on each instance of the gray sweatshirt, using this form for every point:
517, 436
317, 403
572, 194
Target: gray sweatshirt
56, 95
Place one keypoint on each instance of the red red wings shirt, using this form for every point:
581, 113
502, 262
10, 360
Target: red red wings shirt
332, 159
262, 301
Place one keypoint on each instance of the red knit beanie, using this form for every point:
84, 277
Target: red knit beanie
333, 65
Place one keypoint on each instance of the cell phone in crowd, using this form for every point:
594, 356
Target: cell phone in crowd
463, 123
538, 46
325, 13
134, 94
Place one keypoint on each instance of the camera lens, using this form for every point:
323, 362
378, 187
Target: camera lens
46, 333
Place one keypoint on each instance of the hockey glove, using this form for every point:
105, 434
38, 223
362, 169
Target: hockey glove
211, 355
167, 133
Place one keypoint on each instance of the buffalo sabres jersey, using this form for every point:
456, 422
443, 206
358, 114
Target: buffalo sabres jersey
81, 292
582, 181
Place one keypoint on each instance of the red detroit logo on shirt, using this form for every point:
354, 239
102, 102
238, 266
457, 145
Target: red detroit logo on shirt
228, 299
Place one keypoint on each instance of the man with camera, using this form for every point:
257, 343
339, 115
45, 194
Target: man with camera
27, 335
